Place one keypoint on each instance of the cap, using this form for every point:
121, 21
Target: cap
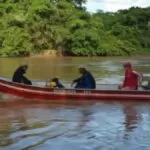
82, 67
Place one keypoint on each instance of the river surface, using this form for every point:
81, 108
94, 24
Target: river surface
97, 125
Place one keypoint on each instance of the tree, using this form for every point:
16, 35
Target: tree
32, 26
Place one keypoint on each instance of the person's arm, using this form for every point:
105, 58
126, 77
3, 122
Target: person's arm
140, 77
122, 84
60, 85
26, 81
76, 81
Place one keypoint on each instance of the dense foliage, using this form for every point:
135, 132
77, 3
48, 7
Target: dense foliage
31, 26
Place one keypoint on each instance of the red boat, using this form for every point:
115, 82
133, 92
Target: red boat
45, 93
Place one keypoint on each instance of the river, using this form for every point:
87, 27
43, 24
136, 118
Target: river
97, 125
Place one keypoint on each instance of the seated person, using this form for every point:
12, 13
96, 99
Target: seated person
86, 81
19, 75
132, 79
55, 83
147, 86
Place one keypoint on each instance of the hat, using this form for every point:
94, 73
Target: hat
82, 67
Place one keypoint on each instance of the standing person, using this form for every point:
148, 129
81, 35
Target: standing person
86, 81
132, 79
19, 75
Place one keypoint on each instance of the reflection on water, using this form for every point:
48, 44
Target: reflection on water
132, 118
77, 126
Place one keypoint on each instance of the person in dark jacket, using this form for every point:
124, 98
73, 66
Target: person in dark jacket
86, 81
19, 75
55, 83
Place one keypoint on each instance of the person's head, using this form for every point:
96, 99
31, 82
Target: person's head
127, 66
82, 70
24, 68
55, 79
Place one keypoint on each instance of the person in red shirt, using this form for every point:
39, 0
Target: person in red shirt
132, 78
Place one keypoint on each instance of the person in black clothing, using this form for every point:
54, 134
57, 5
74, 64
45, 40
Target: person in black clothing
19, 75
55, 83
58, 83
86, 81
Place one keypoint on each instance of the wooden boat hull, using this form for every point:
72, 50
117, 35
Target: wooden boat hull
43, 93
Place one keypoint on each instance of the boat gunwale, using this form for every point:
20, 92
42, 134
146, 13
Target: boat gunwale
92, 91
30, 95
70, 94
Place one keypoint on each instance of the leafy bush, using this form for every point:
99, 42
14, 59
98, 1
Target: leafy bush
32, 26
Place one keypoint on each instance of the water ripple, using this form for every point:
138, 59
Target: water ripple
100, 126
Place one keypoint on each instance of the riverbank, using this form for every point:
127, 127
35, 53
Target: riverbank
47, 53
55, 54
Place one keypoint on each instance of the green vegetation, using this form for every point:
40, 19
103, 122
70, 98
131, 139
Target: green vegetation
31, 26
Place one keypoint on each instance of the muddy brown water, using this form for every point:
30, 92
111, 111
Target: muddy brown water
95, 125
